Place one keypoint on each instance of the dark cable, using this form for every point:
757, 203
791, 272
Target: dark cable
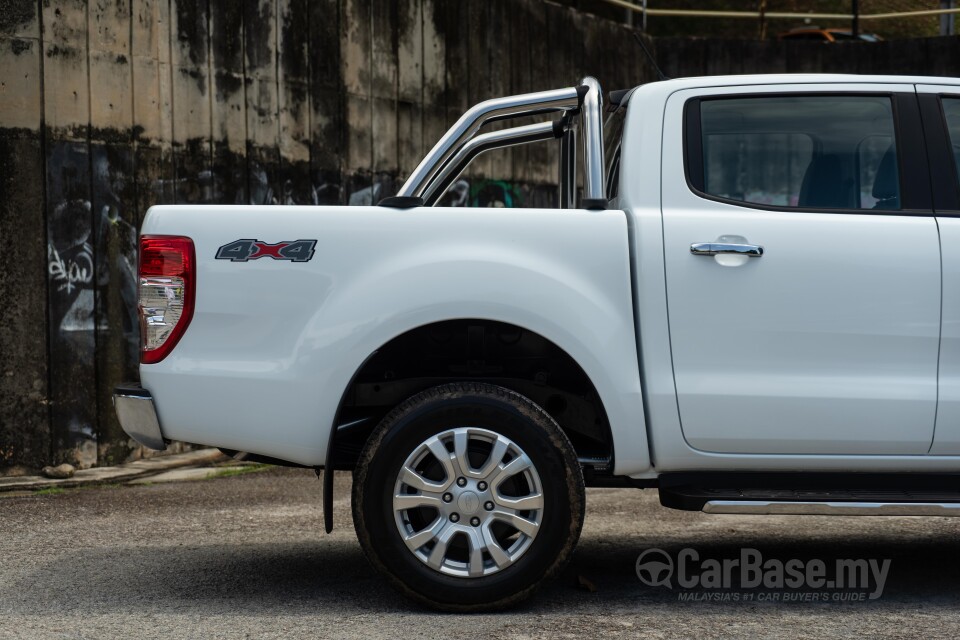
653, 61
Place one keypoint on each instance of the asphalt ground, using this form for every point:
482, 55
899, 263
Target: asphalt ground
246, 556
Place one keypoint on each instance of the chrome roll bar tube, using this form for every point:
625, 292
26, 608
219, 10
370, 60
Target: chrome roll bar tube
591, 124
460, 144
470, 122
485, 142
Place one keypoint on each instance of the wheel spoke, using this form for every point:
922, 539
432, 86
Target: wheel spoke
410, 477
420, 538
477, 547
521, 524
518, 465
403, 501
500, 557
496, 456
439, 451
460, 441
439, 551
526, 503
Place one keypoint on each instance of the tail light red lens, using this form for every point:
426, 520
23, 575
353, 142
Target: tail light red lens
166, 293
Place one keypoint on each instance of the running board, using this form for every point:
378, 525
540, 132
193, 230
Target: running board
756, 507
854, 494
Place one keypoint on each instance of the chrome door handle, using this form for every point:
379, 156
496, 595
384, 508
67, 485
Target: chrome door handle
716, 248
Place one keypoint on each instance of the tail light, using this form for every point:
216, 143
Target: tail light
167, 287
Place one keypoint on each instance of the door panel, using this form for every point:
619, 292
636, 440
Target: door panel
947, 433
828, 343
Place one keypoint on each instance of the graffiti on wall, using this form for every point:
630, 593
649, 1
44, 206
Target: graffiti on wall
91, 267
363, 189
75, 229
94, 207
483, 193
74, 269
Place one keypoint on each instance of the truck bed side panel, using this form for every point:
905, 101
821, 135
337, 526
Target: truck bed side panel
274, 343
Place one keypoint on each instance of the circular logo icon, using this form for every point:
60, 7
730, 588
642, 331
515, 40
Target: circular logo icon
655, 568
469, 502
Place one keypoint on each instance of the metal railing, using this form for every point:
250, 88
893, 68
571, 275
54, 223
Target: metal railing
757, 14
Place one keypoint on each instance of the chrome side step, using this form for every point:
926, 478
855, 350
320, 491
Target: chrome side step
893, 494
595, 463
758, 507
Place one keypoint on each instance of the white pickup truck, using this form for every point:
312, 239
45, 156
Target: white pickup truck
752, 305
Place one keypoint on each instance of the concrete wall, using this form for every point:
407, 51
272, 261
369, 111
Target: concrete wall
681, 57
110, 106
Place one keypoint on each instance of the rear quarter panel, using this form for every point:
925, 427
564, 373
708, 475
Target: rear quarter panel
273, 344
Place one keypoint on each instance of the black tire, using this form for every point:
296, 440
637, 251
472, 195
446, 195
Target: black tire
474, 405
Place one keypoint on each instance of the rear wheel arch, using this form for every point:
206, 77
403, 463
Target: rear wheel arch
483, 350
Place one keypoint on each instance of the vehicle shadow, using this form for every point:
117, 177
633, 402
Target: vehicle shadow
333, 575
922, 572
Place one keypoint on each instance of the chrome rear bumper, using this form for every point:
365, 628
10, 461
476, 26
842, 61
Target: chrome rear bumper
138, 416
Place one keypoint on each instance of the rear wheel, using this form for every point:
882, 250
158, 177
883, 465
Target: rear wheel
467, 496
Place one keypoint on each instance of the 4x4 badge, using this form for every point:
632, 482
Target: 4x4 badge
244, 250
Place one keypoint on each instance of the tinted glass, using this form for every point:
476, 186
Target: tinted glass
951, 109
814, 152
612, 135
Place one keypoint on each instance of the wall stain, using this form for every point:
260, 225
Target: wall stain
192, 30
56, 51
19, 46
15, 14
258, 16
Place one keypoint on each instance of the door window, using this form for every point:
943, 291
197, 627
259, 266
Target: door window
951, 109
808, 152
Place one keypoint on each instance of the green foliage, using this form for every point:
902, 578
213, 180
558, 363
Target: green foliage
49, 491
239, 471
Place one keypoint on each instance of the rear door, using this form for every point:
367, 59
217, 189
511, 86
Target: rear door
803, 269
940, 106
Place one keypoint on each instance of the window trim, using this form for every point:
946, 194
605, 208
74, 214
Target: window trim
913, 172
944, 176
